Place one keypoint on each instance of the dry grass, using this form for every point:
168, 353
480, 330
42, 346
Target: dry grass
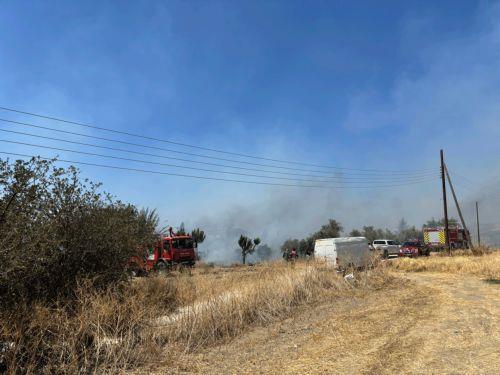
443, 321
477, 251
257, 295
165, 322
132, 326
485, 266
82, 336
423, 323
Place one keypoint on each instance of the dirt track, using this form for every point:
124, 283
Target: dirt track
429, 323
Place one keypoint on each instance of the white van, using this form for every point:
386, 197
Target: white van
344, 251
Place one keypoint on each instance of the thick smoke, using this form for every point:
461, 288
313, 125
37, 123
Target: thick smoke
488, 198
283, 214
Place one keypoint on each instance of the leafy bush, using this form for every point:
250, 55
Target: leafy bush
56, 229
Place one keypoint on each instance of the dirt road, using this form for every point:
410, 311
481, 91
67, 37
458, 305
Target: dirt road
428, 324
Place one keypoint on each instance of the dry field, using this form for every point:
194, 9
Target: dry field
427, 315
149, 323
435, 315
487, 266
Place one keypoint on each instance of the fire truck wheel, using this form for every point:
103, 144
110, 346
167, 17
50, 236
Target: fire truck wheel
161, 268
133, 272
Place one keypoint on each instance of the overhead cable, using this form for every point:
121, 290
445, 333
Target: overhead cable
52, 118
206, 177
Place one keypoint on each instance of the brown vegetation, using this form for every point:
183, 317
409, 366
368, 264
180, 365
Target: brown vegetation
463, 263
166, 322
145, 322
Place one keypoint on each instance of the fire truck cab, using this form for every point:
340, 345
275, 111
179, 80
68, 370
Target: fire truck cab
166, 252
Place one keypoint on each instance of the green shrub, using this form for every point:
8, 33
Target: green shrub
56, 229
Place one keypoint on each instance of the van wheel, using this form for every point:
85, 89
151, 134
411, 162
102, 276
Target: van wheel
386, 254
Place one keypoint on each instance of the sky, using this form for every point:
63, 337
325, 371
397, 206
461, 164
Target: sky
365, 85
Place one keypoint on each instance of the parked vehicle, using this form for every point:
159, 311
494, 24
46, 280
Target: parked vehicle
166, 252
386, 247
413, 248
343, 252
435, 238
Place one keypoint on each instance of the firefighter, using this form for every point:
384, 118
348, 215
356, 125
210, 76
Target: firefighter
286, 254
293, 254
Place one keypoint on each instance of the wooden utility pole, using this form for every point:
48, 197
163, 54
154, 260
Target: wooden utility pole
443, 181
477, 222
467, 234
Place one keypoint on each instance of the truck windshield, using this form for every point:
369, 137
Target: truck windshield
183, 243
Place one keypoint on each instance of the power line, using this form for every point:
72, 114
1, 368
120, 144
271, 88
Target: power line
189, 153
496, 231
183, 167
205, 177
194, 146
465, 179
463, 185
359, 179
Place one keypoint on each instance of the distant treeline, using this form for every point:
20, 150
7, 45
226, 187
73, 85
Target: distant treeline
333, 228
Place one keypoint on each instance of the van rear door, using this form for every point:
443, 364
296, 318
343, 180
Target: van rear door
325, 250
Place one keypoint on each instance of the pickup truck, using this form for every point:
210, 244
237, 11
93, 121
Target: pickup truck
386, 247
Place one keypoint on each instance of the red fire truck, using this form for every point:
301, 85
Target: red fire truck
166, 252
435, 237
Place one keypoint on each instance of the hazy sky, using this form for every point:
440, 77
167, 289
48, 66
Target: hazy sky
371, 85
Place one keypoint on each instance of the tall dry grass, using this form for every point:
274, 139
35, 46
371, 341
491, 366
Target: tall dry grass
97, 331
149, 320
486, 265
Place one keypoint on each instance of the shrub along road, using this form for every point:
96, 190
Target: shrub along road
428, 323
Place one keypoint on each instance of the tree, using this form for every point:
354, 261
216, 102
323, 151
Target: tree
247, 246
305, 246
198, 235
440, 223
403, 225
355, 233
330, 230
264, 252
372, 233
58, 229
411, 233
148, 221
